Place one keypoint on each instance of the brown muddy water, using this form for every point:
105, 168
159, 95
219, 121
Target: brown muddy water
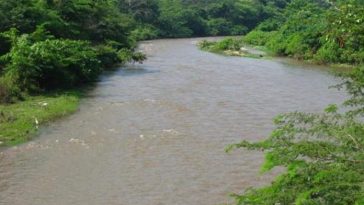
154, 134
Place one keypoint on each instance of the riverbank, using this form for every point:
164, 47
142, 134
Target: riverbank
19, 122
235, 46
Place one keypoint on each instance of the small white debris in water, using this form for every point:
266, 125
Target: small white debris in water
80, 142
172, 131
141, 136
57, 141
1, 142
111, 130
74, 140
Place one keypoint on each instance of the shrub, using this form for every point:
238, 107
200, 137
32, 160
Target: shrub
218, 27
144, 33
277, 44
223, 45
5, 96
259, 38
205, 44
51, 64
238, 30
296, 46
127, 55
107, 55
328, 53
228, 44
8, 91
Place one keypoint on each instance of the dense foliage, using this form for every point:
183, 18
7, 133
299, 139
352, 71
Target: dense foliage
185, 18
49, 44
51, 64
316, 30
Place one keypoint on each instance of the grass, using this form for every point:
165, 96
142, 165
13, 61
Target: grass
19, 122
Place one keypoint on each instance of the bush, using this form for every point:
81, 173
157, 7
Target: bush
127, 55
51, 64
277, 44
228, 44
328, 53
205, 44
107, 55
223, 45
219, 27
5, 96
296, 47
144, 33
8, 92
259, 38
239, 30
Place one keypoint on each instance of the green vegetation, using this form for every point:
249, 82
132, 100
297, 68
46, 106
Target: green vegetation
187, 18
20, 121
320, 31
231, 47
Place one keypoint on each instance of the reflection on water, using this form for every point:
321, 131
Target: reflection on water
155, 133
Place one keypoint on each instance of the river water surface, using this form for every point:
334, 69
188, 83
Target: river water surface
154, 134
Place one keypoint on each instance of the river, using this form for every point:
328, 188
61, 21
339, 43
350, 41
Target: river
154, 134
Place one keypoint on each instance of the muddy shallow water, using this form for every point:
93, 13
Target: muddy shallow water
154, 134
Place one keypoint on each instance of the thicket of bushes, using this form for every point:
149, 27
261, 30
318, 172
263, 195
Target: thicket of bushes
223, 45
315, 30
310, 30
52, 45
186, 18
